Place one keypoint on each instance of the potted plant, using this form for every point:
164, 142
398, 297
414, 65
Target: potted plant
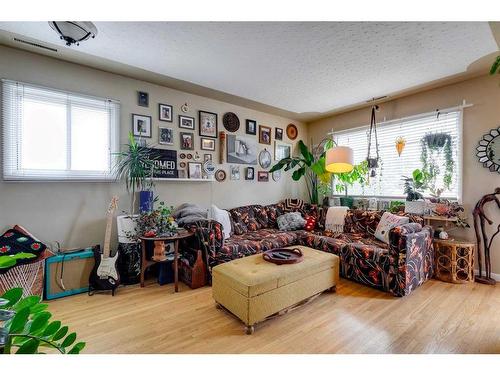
345, 180
25, 327
413, 188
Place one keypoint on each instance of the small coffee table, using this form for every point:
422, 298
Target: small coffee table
145, 263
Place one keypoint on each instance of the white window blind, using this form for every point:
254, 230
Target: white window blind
54, 135
388, 182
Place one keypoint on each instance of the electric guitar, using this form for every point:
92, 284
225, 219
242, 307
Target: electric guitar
104, 275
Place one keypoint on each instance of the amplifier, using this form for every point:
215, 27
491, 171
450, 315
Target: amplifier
68, 273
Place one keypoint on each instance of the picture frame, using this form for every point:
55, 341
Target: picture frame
187, 141
249, 173
241, 149
263, 176
166, 136
278, 134
282, 150
207, 144
207, 157
265, 159
195, 170
141, 125
251, 127
207, 124
182, 173
234, 172
165, 112
142, 99
264, 134
186, 122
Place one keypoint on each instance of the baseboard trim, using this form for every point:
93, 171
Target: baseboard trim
494, 276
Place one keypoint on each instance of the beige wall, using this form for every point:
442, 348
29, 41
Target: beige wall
73, 213
484, 93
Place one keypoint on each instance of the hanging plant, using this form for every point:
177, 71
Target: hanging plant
433, 144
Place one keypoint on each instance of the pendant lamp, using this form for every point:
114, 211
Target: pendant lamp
339, 159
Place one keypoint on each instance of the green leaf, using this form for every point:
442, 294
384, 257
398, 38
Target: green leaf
61, 333
298, 173
7, 261
309, 158
40, 321
12, 295
70, 339
77, 348
29, 347
27, 302
19, 321
38, 308
52, 328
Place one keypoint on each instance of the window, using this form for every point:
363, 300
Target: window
54, 135
388, 182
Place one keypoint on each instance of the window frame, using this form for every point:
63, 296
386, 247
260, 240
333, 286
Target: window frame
459, 162
12, 128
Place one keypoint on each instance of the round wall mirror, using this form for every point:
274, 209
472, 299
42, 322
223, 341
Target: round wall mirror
488, 150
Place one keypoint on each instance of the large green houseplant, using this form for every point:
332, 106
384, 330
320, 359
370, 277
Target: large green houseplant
27, 328
343, 181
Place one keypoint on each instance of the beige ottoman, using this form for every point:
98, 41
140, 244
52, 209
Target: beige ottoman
253, 289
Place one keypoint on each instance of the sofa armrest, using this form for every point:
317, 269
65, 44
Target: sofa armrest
209, 238
411, 257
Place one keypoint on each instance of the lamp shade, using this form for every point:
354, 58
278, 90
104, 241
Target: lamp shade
339, 159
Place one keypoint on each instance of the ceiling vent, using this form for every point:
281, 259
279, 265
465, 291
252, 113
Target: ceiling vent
33, 44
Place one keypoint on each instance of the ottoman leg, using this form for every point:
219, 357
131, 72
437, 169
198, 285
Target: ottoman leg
249, 329
333, 289
218, 306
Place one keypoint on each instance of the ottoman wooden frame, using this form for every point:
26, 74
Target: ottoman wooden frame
255, 290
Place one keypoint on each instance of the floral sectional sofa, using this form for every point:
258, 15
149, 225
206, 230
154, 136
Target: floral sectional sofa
398, 268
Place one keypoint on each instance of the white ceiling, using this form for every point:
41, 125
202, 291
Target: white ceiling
298, 67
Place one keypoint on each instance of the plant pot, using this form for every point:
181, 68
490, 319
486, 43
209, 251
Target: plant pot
125, 223
372, 163
415, 207
146, 201
347, 201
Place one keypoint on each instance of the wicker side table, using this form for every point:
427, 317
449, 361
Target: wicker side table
454, 260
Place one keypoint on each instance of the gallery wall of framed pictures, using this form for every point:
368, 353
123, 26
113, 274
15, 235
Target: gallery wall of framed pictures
195, 133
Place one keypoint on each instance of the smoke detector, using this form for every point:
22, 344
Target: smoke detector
74, 32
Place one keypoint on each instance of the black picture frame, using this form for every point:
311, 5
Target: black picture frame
165, 136
278, 134
263, 176
207, 144
202, 117
249, 125
141, 125
182, 139
169, 118
182, 124
142, 99
250, 173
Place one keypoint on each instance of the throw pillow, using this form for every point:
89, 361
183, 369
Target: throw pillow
291, 221
293, 204
386, 223
310, 223
222, 216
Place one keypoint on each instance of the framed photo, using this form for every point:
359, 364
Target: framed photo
265, 159
166, 136
207, 124
235, 172
250, 173
186, 122
282, 150
195, 170
251, 127
166, 112
264, 134
207, 157
141, 125
208, 144
241, 149
278, 134
143, 99
187, 141
263, 176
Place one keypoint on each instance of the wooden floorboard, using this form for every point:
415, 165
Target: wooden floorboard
436, 318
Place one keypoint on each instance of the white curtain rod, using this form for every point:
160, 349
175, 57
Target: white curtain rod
385, 122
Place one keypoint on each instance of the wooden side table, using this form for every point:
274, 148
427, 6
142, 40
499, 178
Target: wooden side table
454, 260
145, 263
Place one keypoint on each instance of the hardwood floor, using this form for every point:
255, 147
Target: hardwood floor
437, 318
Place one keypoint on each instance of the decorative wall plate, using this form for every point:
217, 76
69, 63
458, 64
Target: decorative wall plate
231, 122
265, 159
291, 131
209, 167
488, 150
276, 175
182, 155
197, 156
182, 164
220, 175
189, 156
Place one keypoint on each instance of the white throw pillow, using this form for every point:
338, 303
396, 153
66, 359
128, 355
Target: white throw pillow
387, 222
222, 216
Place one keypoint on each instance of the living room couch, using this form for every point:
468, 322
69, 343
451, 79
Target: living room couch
398, 268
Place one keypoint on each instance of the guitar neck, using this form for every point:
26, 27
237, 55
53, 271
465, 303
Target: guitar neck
109, 225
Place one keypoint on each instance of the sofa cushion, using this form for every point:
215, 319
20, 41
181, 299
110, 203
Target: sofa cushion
244, 219
273, 212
